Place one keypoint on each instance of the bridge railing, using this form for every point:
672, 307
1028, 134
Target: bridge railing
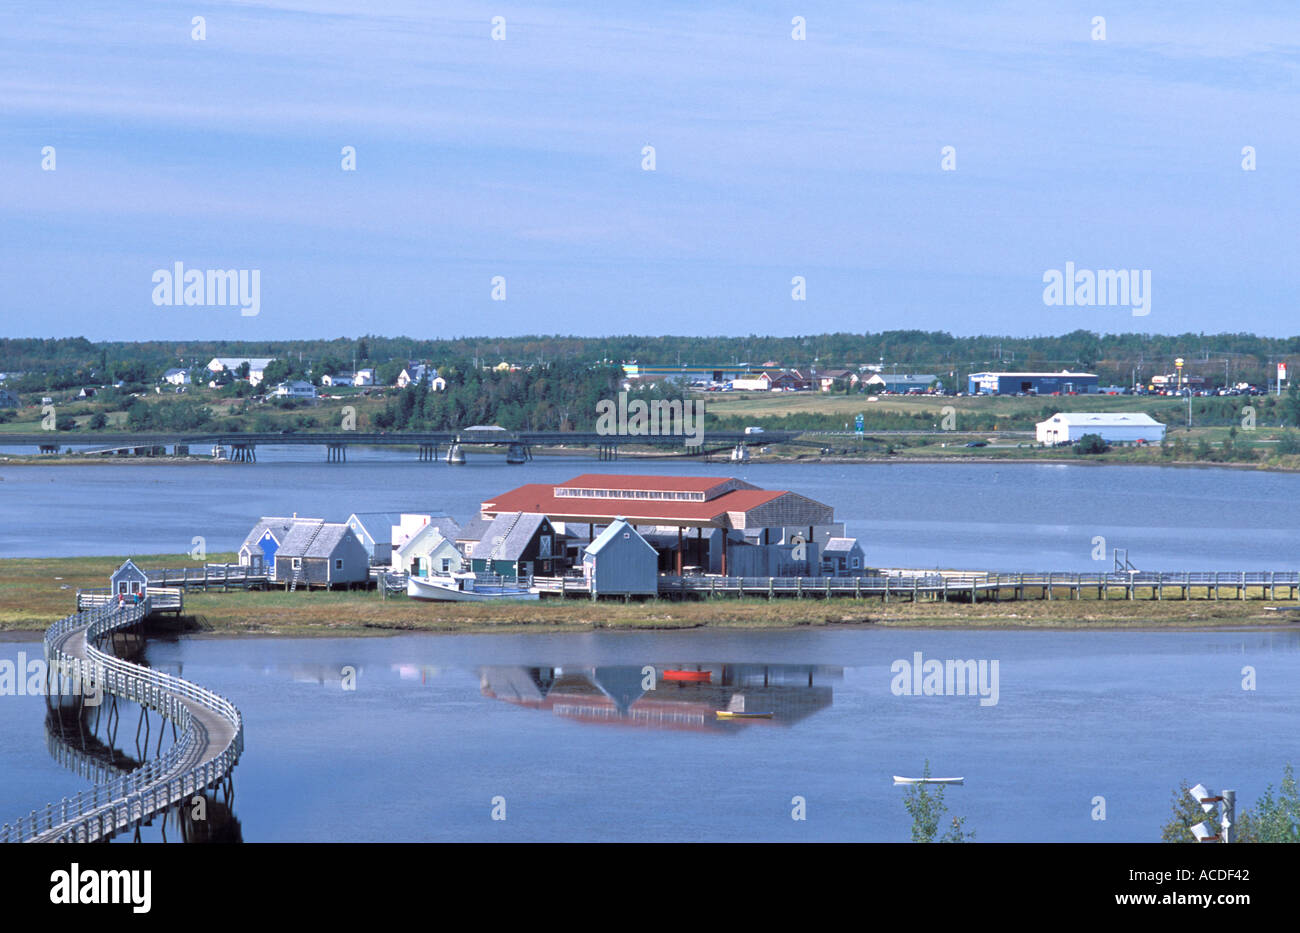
105, 808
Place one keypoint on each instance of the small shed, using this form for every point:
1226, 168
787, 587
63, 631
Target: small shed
257, 553
129, 580
842, 557
621, 563
324, 554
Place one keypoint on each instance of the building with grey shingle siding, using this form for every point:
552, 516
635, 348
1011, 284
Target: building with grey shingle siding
518, 544
621, 563
324, 554
260, 545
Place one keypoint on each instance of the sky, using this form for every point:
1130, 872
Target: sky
524, 158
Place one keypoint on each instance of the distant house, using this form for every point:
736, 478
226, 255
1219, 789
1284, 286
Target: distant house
257, 553
414, 373
517, 544
428, 552
129, 580
337, 379
323, 554
904, 383
364, 377
826, 381
256, 366
177, 377
842, 557
8, 399
295, 388
621, 563
87, 392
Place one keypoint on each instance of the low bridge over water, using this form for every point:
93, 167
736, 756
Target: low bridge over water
431, 445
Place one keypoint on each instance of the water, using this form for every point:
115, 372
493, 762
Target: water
1006, 517
418, 752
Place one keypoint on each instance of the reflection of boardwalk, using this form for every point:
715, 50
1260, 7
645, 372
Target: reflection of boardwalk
618, 694
74, 745
211, 739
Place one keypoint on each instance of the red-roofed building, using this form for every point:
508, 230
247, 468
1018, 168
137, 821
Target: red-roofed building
704, 503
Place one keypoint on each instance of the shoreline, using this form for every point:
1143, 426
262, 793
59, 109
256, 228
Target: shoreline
1099, 460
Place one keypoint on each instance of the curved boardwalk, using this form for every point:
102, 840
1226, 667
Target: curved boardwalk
211, 740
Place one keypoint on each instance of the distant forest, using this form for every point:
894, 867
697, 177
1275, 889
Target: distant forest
68, 362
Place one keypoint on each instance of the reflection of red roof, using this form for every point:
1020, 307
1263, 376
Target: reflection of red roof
540, 497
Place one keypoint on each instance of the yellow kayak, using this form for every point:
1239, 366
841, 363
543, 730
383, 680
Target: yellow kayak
727, 714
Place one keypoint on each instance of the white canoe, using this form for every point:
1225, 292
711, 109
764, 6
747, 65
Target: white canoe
461, 588
923, 780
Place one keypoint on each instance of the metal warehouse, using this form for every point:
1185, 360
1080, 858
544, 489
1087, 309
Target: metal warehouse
1062, 383
1115, 427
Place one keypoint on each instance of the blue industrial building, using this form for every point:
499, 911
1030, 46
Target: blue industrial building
1062, 383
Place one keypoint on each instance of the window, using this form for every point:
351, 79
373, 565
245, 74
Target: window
446, 565
338, 563
297, 563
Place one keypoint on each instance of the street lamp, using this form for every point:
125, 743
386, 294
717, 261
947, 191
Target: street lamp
1228, 801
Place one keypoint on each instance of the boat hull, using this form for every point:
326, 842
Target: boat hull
432, 592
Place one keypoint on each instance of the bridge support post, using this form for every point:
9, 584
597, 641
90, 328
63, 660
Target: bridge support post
336, 453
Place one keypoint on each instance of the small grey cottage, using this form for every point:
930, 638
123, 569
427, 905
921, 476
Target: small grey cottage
323, 554
129, 580
621, 563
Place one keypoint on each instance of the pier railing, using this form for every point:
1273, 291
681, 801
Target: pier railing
188, 765
1263, 584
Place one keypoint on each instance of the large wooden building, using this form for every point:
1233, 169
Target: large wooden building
707, 513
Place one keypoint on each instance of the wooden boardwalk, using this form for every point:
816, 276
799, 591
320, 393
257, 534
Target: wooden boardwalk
210, 743
973, 587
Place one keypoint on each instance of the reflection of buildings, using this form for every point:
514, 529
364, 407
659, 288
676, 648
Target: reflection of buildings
618, 694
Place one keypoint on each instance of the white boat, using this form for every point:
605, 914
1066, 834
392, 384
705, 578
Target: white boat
464, 588
925, 780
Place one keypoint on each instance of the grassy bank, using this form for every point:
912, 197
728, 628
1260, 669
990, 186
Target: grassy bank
36, 591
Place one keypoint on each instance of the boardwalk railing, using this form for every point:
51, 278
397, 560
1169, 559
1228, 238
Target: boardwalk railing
161, 598
1267, 584
186, 768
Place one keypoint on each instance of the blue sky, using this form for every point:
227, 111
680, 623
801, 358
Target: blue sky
522, 158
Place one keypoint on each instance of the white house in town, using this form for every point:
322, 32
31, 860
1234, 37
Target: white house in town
1115, 427
256, 366
364, 377
177, 377
415, 372
337, 379
295, 388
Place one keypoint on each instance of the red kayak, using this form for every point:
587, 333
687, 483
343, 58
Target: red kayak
690, 677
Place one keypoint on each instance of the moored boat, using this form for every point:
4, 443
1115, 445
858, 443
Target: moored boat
929, 780
463, 588
731, 714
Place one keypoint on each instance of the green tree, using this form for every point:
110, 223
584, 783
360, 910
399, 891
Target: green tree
924, 802
1274, 818
1091, 444
98, 421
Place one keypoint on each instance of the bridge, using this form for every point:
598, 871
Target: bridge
242, 447
210, 742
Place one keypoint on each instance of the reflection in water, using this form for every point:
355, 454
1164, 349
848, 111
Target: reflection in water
673, 696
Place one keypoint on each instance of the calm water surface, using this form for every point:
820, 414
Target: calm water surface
436, 728
1006, 517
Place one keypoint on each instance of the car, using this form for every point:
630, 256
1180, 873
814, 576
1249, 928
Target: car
976, 444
